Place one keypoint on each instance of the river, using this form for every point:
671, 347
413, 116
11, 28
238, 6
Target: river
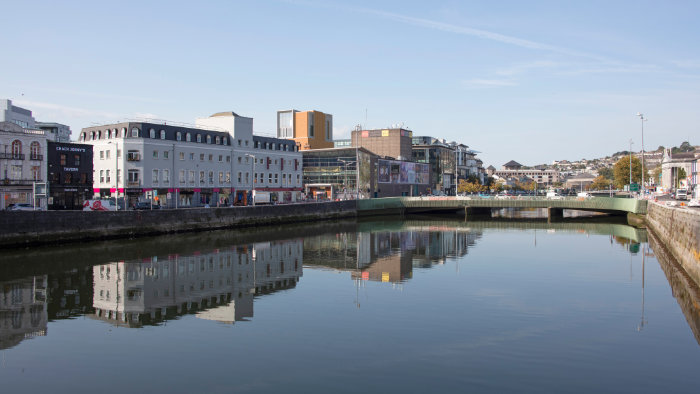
412, 306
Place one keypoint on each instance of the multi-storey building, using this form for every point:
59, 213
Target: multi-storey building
394, 143
217, 162
309, 129
22, 163
69, 175
23, 312
513, 169
55, 131
441, 158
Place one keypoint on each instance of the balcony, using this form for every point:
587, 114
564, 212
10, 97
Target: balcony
18, 182
36, 157
12, 156
133, 183
133, 157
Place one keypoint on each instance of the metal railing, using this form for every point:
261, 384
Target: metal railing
36, 157
12, 156
16, 182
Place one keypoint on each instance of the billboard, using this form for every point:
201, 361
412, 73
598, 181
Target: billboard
402, 172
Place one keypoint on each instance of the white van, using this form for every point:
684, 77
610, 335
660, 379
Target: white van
681, 194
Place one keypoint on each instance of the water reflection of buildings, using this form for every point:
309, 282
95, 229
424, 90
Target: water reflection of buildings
389, 255
216, 285
23, 312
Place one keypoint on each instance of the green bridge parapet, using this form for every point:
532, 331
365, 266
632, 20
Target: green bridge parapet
425, 204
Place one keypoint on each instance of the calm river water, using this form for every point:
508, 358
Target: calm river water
421, 305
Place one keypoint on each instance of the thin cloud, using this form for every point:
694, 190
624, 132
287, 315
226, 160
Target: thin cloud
488, 83
66, 111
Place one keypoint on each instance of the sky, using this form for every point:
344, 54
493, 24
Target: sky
531, 81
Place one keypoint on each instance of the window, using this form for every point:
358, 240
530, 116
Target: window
155, 154
246, 143
188, 137
63, 159
191, 176
166, 154
201, 177
182, 176
166, 176
228, 177
221, 177
107, 154
133, 155
178, 136
107, 177
192, 156
182, 155
211, 157
201, 157
208, 139
102, 176
239, 160
221, 158
162, 134
119, 176
123, 133
211, 177
199, 138
276, 178
269, 178
239, 177
218, 140
76, 160
133, 177
225, 140
155, 176
102, 155
152, 133
239, 142
246, 177
35, 151
135, 132
16, 148
35, 174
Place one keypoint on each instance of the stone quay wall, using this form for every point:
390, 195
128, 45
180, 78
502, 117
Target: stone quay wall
51, 227
679, 230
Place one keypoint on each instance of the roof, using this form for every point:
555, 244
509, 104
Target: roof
227, 113
491, 168
512, 163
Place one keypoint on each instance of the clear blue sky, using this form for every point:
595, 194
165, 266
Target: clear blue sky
532, 81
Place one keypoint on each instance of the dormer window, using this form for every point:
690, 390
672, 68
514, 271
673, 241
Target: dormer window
162, 134
188, 137
199, 138
208, 139
152, 133
135, 132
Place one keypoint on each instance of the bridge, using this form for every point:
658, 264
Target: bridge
482, 206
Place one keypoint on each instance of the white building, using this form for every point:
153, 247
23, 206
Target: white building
22, 163
217, 162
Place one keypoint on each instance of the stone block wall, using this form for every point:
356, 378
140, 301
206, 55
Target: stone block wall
42, 227
679, 230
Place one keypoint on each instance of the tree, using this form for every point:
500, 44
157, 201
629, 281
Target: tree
469, 187
621, 171
607, 173
600, 183
680, 175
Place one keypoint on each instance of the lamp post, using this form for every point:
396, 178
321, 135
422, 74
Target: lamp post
116, 175
345, 180
252, 179
630, 188
643, 119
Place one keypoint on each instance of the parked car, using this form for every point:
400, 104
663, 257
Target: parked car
141, 205
20, 207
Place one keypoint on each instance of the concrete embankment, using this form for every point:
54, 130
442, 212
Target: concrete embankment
679, 230
35, 228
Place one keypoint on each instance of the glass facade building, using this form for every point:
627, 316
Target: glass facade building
335, 173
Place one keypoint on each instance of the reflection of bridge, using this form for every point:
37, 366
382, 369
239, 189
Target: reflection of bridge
592, 227
482, 206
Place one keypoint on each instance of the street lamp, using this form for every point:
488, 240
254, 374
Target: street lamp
345, 175
630, 187
116, 175
643, 119
252, 179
